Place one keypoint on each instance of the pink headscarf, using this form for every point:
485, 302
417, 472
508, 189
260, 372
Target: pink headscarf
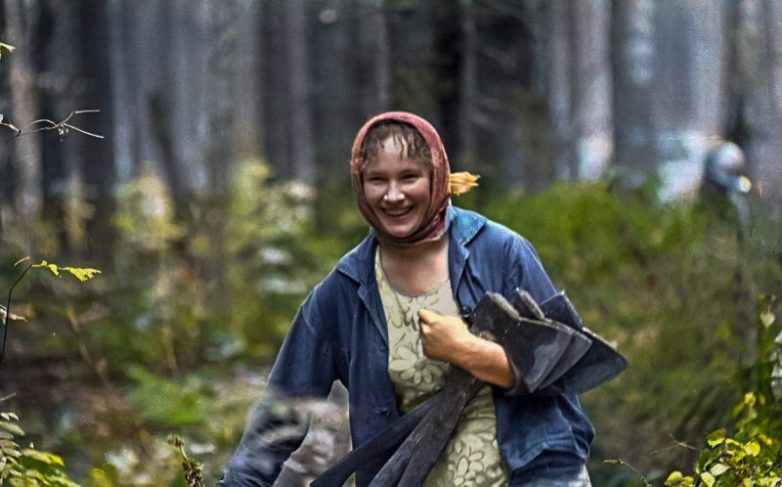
435, 223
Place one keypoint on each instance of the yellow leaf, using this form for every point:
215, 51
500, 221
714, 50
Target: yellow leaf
716, 437
675, 478
749, 399
462, 182
752, 448
708, 479
52, 267
82, 273
43, 457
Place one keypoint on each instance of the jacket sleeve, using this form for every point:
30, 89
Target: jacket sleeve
304, 368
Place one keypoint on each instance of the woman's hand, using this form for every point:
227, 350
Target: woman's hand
447, 338
443, 337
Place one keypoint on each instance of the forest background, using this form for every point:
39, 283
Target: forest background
211, 188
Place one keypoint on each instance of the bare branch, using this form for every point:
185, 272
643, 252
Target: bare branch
63, 127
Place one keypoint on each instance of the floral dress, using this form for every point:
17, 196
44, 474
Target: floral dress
472, 457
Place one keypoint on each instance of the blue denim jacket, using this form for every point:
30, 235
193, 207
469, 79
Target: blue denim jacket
340, 333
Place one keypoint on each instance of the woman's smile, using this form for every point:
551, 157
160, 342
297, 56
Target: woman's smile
397, 190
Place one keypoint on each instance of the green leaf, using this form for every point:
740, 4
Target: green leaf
708, 479
767, 318
716, 437
11, 428
43, 457
718, 469
52, 267
677, 479
82, 273
752, 448
749, 399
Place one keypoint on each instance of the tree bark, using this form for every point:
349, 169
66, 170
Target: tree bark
20, 19
299, 85
97, 156
632, 43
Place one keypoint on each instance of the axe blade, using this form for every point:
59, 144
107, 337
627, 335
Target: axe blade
556, 347
601, 361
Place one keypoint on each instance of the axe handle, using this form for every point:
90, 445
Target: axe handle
375, 451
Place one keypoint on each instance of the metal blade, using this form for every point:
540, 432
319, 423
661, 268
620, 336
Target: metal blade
600, 363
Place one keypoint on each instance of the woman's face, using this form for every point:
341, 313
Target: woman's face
397, 189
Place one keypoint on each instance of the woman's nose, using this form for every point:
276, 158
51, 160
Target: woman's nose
394, 193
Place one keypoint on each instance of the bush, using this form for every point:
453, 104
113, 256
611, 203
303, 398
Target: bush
667, 282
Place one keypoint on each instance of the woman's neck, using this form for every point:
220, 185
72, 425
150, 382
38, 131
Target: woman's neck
415, 269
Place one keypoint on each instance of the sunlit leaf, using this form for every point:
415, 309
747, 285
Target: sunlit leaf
674, 479
677, 479
82, 273
43, 457
708, 479
11, 428
752, 448
716, 437
767, 318
718, 469
46, 265
749, 399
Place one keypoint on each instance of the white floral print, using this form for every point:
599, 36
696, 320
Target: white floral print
472, 457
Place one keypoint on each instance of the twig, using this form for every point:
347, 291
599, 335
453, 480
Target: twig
7, 397
620, 462
8, 310
676, 443
62, 127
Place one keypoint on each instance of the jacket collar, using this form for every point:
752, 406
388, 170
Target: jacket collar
358, 264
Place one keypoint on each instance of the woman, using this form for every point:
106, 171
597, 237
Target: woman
385, 323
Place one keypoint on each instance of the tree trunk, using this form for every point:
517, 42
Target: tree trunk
300, 109
468, 87
632, 43
21, 21
97, 156
768, 165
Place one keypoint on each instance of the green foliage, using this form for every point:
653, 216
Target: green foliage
666, 282
27, 467
83, 274
275, 255
752, 455
165, 402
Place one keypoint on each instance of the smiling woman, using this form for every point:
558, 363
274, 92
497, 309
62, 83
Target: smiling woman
386, 323
397, 188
